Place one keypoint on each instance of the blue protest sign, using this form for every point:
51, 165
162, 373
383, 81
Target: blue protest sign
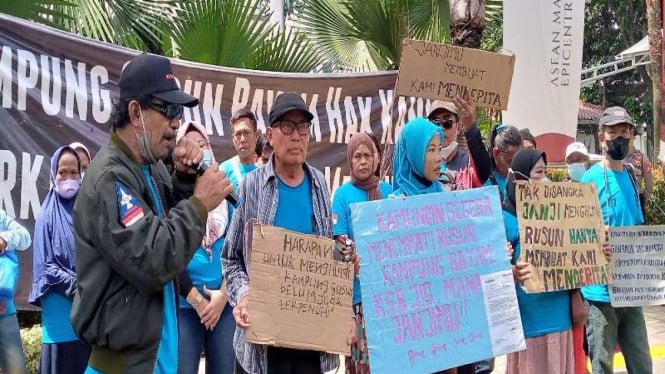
437, 289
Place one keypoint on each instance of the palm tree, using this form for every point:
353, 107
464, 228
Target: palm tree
234, 33
367, 35
238, 33
137, 24
467, 20
42, 11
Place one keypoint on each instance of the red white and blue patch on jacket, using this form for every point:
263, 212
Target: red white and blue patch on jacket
129, 207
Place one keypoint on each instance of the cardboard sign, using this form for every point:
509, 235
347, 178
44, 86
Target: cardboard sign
561, 235
638, 266
299, 297
442, 71
437, 288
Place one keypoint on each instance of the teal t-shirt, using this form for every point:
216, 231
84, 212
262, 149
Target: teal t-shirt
620, 205
56, 325
236, 171
542, 313
205, 270
344, 196
295, 210
500, 182
7, 295
167, 354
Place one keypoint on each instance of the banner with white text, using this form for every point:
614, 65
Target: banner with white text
56, 88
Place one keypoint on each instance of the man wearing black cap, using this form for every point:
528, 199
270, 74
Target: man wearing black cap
620, 205
286, 192
136, 227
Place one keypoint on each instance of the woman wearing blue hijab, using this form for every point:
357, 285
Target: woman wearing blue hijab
417, 160
54, 269
417, 164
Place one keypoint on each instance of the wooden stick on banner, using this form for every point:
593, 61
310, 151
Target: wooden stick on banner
389, 147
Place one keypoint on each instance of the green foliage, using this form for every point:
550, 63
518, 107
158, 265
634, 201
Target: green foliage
367, 35
612, 26
137, 24
41, 11
493, 35
557, 174
32, 346
229, 33
655, 210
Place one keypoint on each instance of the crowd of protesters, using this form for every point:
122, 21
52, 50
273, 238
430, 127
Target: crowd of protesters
142, 269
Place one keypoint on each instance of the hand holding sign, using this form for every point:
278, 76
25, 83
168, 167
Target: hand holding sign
522, 271
467, 111
607, 248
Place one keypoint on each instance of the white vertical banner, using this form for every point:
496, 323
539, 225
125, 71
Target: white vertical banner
546, 37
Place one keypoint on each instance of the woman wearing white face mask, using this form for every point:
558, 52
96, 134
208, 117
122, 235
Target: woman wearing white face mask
577, 159
54, 268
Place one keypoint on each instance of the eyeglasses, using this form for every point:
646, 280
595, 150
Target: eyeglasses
287, 127
170, 111
446, 123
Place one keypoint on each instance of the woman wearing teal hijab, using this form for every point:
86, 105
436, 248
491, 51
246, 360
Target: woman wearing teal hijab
417, 160
417, 164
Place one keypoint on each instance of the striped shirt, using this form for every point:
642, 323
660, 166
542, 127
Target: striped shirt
258, 203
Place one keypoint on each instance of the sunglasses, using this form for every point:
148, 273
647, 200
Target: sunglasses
446, 123
170, 111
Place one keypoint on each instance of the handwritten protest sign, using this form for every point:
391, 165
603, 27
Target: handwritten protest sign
442, 71
299, 297
437, 289
638, 266
561, 234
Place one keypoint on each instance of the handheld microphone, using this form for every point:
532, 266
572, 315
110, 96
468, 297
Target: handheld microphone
202, 166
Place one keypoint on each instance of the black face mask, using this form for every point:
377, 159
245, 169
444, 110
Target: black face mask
617, 148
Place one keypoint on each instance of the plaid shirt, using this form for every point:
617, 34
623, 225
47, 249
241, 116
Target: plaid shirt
258, 201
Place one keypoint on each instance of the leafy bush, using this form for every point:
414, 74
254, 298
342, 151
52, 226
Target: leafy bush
557, 175
655, 207
32, 346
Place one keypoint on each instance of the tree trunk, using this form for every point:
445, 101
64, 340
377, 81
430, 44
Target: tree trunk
467, 24
654, 24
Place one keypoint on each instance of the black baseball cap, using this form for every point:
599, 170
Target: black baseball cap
148, 74
287, 102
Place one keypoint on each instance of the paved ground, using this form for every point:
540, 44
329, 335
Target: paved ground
655, 318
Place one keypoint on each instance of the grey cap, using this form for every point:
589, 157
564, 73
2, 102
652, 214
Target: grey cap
615, 115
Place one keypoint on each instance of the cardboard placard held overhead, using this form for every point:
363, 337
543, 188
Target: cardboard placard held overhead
299, 296
442, 71
561, 235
